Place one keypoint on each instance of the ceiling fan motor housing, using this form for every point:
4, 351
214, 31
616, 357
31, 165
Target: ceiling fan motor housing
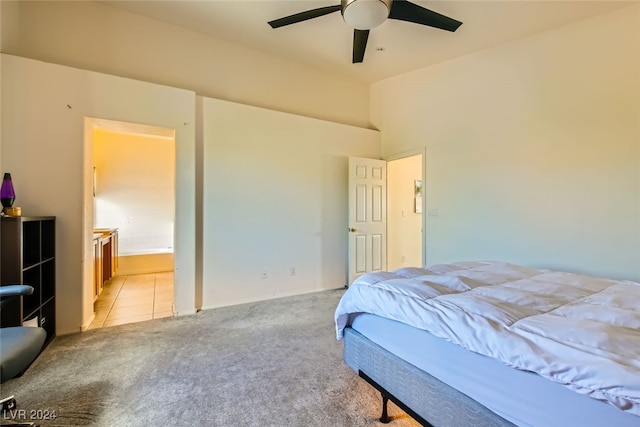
365, 14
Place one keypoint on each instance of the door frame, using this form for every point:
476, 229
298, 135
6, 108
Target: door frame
91, 123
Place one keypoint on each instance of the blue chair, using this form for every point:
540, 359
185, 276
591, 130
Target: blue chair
19, 345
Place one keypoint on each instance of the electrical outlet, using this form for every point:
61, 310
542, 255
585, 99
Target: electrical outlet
292, 271
264, 274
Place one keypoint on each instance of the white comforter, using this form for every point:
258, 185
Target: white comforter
580, 331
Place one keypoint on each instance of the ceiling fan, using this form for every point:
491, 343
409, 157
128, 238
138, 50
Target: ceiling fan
363, 15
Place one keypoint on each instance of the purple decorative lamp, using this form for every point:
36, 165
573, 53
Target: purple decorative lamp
7, 193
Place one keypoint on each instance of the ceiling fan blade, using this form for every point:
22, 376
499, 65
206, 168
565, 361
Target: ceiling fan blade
360, 38
303, 16
404, 10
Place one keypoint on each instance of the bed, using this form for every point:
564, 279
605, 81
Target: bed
496, 344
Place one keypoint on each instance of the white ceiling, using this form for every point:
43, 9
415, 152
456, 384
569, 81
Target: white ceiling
326, 42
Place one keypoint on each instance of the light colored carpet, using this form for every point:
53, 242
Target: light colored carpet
270, 363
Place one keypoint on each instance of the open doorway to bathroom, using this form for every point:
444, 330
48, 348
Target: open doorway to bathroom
133, 180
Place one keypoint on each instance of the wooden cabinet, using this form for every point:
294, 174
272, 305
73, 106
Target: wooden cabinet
105, 247
98, 283
28, 257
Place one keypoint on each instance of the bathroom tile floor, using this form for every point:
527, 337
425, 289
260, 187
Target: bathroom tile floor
128, 299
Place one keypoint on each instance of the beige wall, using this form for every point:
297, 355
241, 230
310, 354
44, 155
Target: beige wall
92, 36
135, 183
533, 147
275, 198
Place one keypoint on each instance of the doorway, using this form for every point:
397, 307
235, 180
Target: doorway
133, 187
405, 222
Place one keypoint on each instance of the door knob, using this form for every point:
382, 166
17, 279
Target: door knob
352, 230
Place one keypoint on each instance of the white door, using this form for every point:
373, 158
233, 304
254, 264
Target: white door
367, 216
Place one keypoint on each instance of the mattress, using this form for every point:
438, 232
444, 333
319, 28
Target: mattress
520, 397
578, 331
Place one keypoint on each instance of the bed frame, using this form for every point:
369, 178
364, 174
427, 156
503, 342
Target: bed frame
425, 398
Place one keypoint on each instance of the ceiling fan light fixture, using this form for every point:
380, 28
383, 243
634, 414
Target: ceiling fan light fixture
365, 14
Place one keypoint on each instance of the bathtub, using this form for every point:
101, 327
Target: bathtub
145, 261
